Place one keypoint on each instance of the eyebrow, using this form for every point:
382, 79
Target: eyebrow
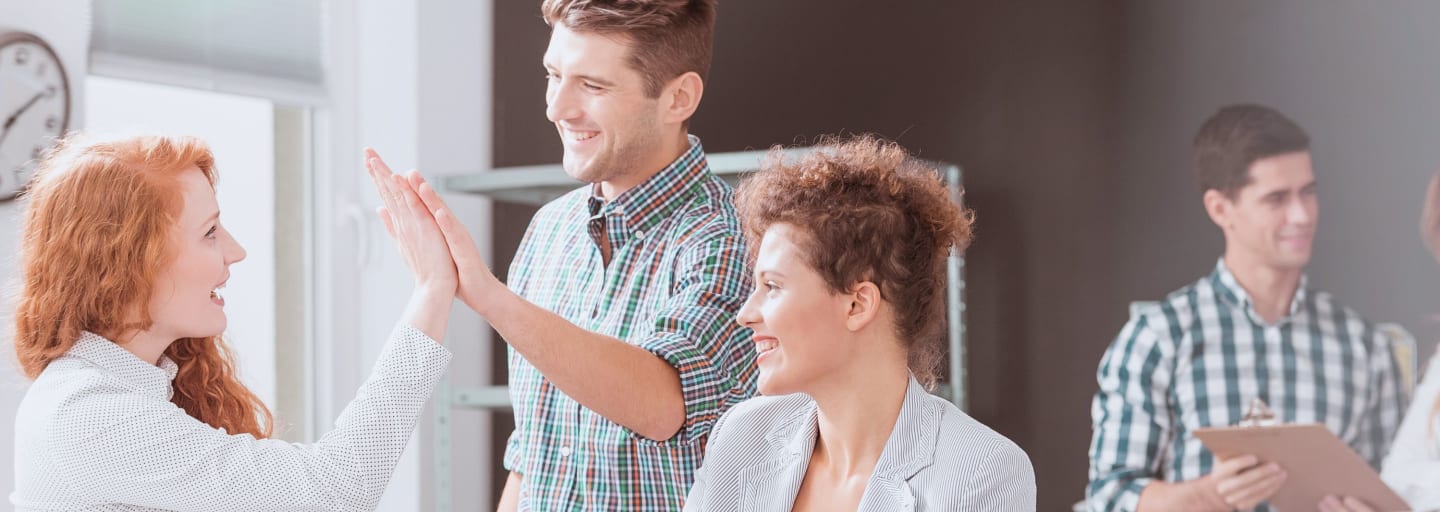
771, 273
589, 78
597, 80
1286, 191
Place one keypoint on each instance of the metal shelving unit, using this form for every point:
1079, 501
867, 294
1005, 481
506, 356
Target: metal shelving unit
539, 184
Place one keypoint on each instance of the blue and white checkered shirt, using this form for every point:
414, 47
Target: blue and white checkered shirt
1197, 359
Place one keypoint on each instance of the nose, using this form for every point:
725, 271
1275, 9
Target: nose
749, 313
560, 104
1302, 211
234, 253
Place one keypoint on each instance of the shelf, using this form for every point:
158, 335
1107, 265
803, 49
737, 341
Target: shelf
536, 185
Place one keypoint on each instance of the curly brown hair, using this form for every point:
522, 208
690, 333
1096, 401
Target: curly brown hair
667, 38
867, 211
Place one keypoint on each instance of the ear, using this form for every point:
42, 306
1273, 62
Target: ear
1218, 207
864, 306
681, 97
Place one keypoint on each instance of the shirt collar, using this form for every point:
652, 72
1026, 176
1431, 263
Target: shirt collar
654, 199
1230, 290
152, 379
911, 446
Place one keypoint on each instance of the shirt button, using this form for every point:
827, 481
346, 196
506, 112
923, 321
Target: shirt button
639, 234
565, 451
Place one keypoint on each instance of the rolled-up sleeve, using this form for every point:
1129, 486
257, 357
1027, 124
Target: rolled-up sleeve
1130, 417
695, 330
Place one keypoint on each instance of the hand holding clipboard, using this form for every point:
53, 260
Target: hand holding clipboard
1318, 463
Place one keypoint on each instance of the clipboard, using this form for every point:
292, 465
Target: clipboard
1318, 464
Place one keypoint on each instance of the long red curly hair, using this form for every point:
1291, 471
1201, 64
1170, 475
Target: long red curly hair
96, 235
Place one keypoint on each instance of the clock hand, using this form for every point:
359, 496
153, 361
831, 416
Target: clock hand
10, 122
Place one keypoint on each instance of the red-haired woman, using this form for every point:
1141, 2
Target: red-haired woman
135, 403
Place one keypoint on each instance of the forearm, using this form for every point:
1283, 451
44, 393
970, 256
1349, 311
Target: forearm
510, 497
134, 460
624, 383
429, 310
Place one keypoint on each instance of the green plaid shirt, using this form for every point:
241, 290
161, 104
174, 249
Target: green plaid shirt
1197, 358
676, 279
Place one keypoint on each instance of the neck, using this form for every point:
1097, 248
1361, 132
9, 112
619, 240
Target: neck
669, 149
1270, 289
857, 413
146, 345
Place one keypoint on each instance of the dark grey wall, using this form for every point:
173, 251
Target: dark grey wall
1072, 121
1360, 77
1020, 95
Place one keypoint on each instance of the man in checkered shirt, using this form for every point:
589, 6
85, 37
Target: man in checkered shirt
1251, 329
619, 310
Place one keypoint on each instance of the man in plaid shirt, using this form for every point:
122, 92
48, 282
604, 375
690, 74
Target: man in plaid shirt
1251, 329
621, 301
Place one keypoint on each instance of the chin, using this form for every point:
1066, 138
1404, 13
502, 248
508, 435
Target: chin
580, 172
770, 385
1295, 261
212, 330
208, 333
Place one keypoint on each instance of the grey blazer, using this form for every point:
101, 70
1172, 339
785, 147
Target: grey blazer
937, 459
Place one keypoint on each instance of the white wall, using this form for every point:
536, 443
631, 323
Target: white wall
65, 24
1360, 77
412, 81
241, 133
454, 133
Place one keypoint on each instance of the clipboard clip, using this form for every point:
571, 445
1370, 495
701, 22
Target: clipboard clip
1258, 415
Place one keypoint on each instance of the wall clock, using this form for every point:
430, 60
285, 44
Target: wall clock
34, 106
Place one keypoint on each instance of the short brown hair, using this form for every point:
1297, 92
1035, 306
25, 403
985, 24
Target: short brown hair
1235, 137
868, 212
667, 38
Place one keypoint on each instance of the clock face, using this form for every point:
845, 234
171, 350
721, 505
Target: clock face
34, 107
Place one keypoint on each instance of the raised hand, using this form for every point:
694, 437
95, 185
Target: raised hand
414, 227
477, 282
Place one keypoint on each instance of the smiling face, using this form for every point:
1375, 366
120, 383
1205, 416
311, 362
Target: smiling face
1271, 221
184, 302
801, 335
610, 128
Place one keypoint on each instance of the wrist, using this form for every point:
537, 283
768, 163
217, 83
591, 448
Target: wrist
484, 298
429, 310
433, 292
